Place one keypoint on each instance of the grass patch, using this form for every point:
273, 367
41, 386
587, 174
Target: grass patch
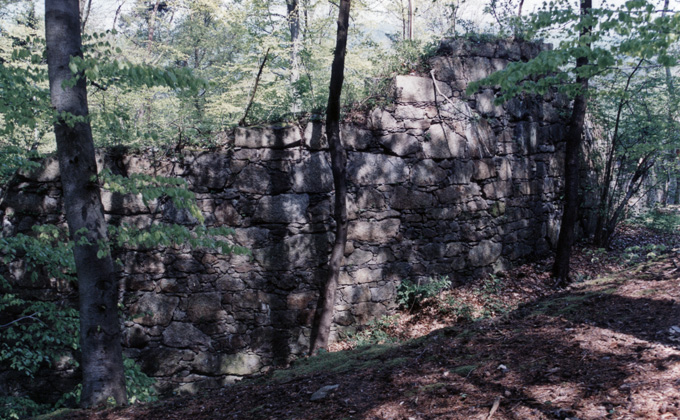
464, 370
648, 292
339, 362
59, 413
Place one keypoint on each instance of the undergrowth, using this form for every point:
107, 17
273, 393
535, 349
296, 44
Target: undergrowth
431, 298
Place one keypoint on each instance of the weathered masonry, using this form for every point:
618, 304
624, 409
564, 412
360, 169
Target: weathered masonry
441, 183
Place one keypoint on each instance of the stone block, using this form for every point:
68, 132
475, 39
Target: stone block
162, 362
374, 169
284, 208
400, 144
125, 204
184, 335
270, 137
406, 198
526, 136
481, 141
462, 171
153, 309
315, 136
356, 138
486, 105
383, 120
312, 175
426, 172
209, 171
355, 294
294, 252
484, 169
358, 257
485, 253
385, 293
225, 214
205, 307
187, 264
458, 193
254, 179
381, 231
369, 199
497, 189
230, 284
409, 112
48, 171
441, 142
420, 89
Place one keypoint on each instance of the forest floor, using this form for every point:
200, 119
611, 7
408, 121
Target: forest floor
510, 347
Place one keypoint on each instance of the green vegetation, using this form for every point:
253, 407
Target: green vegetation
410, 295
376, 331
663, 220
366, 357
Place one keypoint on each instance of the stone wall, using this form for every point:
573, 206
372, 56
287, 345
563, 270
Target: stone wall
440, 183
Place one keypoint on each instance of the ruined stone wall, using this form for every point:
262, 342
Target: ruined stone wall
440, 183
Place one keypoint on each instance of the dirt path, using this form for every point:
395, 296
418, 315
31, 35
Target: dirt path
608, 347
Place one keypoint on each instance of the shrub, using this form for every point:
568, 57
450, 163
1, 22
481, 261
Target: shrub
410, 295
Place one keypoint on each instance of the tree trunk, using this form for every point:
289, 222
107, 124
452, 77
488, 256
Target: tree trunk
410, 20
601, 234
324, 320
100, 335
571, 168
152, 27
294, 26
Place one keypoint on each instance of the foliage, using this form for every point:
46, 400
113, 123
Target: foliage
377, 331
630, 30
410, 295
492, 305
658, 219
139, 386
457, 308
16, 407
636, 254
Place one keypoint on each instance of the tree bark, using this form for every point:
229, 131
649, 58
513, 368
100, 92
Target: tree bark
572, 166
294, 27
602, 235
152, 27
410, 20
100, 334
324, 320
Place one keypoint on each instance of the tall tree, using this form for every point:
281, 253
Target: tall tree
339, 166
293, 7
572, 165
100, 335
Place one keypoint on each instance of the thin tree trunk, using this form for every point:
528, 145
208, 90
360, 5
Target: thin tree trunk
242, 121
410, 20
115, 17
100, 335
294, 27
674, 172
152, 27
322, 327
601, 235
572, 166
85, 15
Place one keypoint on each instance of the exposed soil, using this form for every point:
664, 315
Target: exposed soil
606, 347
